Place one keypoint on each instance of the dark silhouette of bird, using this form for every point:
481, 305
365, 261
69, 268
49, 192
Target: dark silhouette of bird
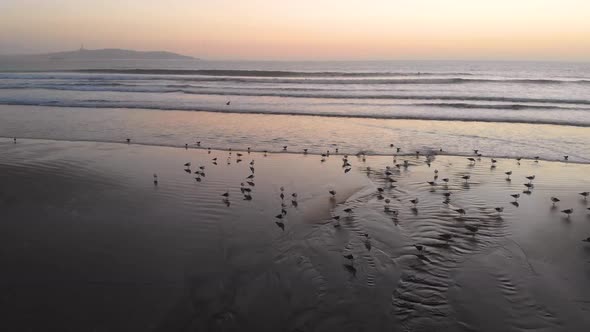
332, 192
499, 209
472, 228
280, 224
460, 211
350, 269
419, 247
585, 194
415, 201
515, 196
349, 256
530, 178
304, 151
280, 216
466, 177
128, 140
228, 103
555, 200
566, 158
348, 210
225, 194
155, 179
568, 212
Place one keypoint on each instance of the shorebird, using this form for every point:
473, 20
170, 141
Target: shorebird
446, 180
494, 161
585, 194
472, 228
285, 148
499, 209
198, 179
466, 177
347, 170
415, 201
460, 211
304, 151
332, 192
432, 183
225, 194
554, 200
187, 164
419, 247
280, 224
350, 269
475, 151
446, 236
247, 197
536, 159
280, 215
398, 149
128, 140
568, 212
447, 195
349, 256
155, 179
566, 158
508, 175
348, 210
515, 196
530, 178
471, 160
228, 103
529, 185
14, 140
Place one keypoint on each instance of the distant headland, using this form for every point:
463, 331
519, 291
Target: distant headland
107, 54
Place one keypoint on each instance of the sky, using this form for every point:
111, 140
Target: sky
305, 29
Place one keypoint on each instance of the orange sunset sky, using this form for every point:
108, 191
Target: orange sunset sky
305, 29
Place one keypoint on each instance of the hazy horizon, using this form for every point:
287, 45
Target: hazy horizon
539, 30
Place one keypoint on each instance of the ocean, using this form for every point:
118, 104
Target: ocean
503, 109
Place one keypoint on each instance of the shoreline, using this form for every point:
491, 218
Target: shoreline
433, 153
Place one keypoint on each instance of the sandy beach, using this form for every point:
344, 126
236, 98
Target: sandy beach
89, 243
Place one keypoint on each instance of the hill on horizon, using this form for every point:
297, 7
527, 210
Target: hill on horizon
107, 54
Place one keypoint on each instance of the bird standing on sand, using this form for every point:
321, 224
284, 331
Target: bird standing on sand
128, 140
472, 228
499, 209
415, 201
460, 211
228, 102
14, 140
554, 200
515, 196
565, 158
585, 194
155, 179
508, 175
466, 177
333, 193
568, 212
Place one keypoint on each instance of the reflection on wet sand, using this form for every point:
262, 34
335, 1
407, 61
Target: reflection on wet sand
100, 236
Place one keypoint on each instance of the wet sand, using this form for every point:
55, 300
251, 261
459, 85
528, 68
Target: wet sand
89, 243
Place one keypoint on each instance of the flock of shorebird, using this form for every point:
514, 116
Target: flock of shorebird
246, 188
